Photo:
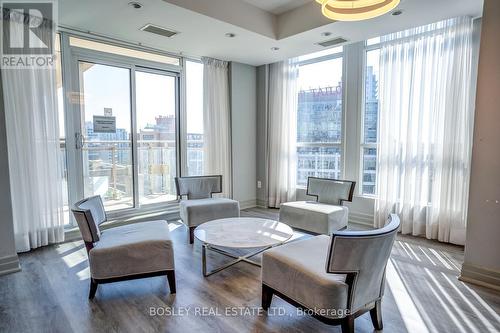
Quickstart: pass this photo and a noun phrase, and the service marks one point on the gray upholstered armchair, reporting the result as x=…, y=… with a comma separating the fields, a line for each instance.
x=127, y=252
x=326, y=214
x=336, y=278
x=200, y=207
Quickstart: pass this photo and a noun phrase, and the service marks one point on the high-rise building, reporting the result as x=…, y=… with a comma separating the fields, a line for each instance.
x=370, y=131
x=319, y=122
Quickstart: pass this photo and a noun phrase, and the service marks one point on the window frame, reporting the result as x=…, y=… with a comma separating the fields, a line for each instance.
x=342, y=144
x=70, y=55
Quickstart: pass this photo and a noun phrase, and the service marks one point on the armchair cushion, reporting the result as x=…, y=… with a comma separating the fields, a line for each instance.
x=314, y=216
x=137, y=248
x=196, y=212
x=297, y=270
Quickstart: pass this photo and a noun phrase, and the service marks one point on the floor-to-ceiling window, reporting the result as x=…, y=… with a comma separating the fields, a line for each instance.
x=370, y=120
x=320, y=116
x=106, y=129
x=123, y=106
x=194, y=118
x=156, y=96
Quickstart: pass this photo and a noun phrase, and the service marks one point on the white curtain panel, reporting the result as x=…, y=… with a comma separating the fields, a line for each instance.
x=282, y=132
x=34, y=153
x=426, y=128
x=217, y=122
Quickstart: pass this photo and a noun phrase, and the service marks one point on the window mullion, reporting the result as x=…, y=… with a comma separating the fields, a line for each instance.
x=135, y=151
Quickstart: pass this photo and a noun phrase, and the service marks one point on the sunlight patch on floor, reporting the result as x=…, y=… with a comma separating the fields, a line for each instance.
x=449, y=305
x=174, y=225
x=84, y=274
x=74, y=258
x=410, y=315
x=482, y=302
x=472, y=307
x=440, y=258
x=69, y=246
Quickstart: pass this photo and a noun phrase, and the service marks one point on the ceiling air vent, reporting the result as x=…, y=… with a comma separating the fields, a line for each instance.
x=332, y=42
x=154, y=29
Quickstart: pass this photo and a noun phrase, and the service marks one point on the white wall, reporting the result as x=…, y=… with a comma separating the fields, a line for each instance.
x=8, y=257
x=243, y=85
x=482, y=248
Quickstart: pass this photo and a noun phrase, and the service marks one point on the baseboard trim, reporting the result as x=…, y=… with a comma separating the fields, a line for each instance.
x=481, y=276
x=245, y=204
x=262, y=203
x=9, y=264
x=361, y=218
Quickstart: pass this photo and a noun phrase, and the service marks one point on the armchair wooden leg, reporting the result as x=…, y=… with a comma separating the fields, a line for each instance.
x=93, y=288
x=171, y=281
x=267, y=296
x=376, y=315
x=191, y=234
x=347, y=324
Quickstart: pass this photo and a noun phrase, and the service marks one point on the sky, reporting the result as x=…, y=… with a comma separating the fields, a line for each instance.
x=109, y=87
x=372, y=59
x=313, y=76
x=155, y=96
x=106, y=87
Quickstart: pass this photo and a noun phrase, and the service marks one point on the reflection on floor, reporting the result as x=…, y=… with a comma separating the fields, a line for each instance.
x=50, y=294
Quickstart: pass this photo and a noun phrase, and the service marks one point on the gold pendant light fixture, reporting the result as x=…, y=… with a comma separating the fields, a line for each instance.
x=356, y=10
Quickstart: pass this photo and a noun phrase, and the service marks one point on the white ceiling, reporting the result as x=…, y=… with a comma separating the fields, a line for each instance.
x=277, y=6
x=203, y=23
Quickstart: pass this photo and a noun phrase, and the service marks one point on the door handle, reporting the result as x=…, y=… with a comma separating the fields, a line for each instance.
x=79, y=140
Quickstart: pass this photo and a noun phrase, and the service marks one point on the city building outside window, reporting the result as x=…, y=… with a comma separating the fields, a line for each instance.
x=320, y=117
x=370, y=122
x=194, y=115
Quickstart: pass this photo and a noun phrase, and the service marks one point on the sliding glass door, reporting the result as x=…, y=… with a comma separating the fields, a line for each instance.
x=128, y=131
x=157, y=136
x=106, y=134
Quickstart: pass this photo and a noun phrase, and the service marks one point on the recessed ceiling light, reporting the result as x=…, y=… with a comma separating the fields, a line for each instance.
x=230, y=35
x=397, y=13
x=274, y=48
x=326, y=34
x=135, y=5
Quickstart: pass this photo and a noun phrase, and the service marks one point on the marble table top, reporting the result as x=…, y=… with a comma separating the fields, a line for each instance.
x=243, y=232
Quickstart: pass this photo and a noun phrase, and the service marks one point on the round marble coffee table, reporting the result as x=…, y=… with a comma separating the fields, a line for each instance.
x=240, y=233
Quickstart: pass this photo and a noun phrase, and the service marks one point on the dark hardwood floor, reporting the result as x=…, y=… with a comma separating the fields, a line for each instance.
x=50, y=294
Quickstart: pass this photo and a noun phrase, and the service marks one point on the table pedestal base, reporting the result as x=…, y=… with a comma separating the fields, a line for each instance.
x=238, y=259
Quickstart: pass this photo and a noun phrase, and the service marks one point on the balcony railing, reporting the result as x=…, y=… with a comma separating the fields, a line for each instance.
x=108, y=170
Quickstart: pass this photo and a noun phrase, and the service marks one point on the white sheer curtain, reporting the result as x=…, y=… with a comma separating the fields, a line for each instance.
x=282, y=132
x=426, y=125
x=34, y=153
x=216, y=122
